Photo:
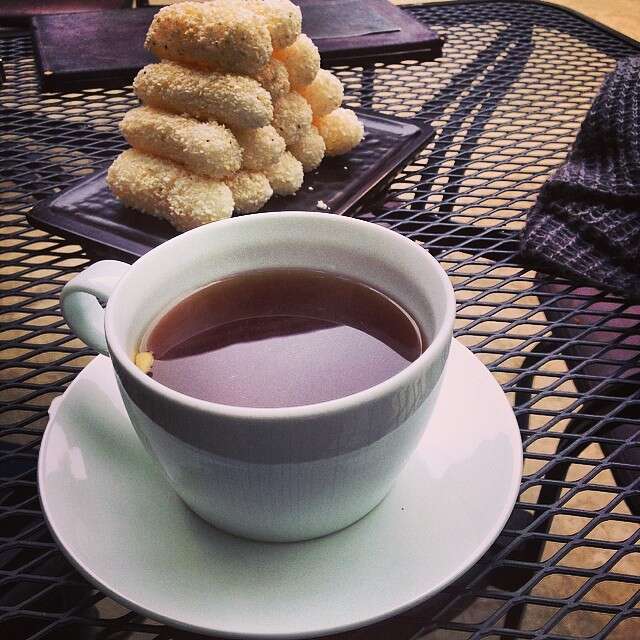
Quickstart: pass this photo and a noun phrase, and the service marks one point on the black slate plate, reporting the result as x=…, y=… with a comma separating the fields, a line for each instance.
x=90, y=215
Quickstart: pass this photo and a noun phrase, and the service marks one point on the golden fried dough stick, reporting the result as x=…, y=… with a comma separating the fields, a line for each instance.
x=302, y=60
x=324, y=94
x=195, y=201
x=309, y=149
x=286, y=175
x=142, y=182
x=250, y=189
x=229, y=99
x=260, y=147
x=166, y=190
x=206, y=148
x=291, y=116
x=274, y=78
x=341, y=131
x=283, y=19
x=221, y=34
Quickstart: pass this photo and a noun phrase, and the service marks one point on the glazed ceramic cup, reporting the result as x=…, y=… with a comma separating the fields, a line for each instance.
x=277, y=474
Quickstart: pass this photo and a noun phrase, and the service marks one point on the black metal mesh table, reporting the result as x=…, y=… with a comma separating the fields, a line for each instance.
x=506, y=99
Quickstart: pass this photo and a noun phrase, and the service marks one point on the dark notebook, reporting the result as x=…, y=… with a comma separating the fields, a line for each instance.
x=105, y=48
x=20, y=12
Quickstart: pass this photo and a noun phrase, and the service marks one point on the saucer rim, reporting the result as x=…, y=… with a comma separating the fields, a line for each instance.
x=457, y=350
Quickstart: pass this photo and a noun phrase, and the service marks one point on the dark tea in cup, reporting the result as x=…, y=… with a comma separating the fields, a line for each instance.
x=281, y=338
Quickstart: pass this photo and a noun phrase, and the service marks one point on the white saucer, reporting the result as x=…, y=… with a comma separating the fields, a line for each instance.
x=123, y=527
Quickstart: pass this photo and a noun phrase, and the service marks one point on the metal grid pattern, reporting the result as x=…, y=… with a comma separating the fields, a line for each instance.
x=507, y=98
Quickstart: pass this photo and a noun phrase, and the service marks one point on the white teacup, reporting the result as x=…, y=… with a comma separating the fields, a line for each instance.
x=278, y=474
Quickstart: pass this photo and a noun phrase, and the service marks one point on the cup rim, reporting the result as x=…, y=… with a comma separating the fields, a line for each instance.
x=435, y=347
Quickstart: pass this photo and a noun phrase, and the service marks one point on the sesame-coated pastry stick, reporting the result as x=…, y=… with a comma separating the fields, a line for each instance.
x=309, y=149
x=260, y=147
x=324, y=94
x=206, y=148
x=274, y=77
x=250, y=189
x=341, y=131
x=166, y=190
x=286, y=175
x=292, y=117
x=223, y=35
x=302, y=60
x=283, y=19
x=234, y=100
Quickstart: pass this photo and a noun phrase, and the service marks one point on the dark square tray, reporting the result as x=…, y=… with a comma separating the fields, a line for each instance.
x=90, y=215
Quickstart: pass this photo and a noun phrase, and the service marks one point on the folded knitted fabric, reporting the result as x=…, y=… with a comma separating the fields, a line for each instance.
x=585, y=224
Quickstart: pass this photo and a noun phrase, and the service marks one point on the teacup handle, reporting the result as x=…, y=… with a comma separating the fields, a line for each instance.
x=81, y=298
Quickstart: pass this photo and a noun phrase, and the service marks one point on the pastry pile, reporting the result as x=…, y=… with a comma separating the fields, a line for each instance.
x=236, y=110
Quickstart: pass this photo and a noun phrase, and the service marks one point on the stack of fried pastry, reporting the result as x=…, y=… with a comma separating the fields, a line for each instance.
x=236, y=110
